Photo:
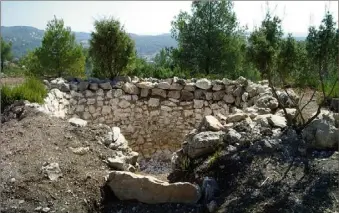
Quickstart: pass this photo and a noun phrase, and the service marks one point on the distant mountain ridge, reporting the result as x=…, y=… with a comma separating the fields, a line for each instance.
x=25, y=38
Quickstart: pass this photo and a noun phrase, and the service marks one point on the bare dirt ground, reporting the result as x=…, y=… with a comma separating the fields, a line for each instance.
x=36, y=139
x=27, y=144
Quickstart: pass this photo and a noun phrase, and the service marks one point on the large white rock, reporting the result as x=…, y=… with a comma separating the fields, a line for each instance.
x=289, y=99
x=229, y=99
x=77, y=122
x=267, y=101
x=52, y=171
x=203, y=84
x=321, y=134
x=130, y=88
x=164, y=85
x=145, y=85
x=236, y=117
x=211, y=123
x=147, y=189
x=204, y=143
x=277, y=121
x=262, y=120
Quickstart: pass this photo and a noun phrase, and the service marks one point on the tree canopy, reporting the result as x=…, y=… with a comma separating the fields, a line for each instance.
x=111, y=49
x=59, y=54
x=209, y=40
x=6, y=52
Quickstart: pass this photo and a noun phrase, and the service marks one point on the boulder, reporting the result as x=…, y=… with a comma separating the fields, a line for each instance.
x=277, y=121
x=144, y=93
x=252, y=89
x=262, y=120
x=186, y=95
x=190, y=87
x=80, y=150
x=121, y=143
x=105, y=86
x=176, y=86
x=77, y=122
x=321, y=134
x=236, y=117
x=83, y=85
x=289, y=99
x=218, y=95
x=267, y=101
x=130, y=88
x=203, y=84
x=147, y=189
x=204, y=143
x=93, y=86
x=145, y=85
x=232, y=137
x=174, y=94
x=159, y=92
x=116, y=163
x=164, y=85
x=210, y=123
x=52, y=171
x=229, y=99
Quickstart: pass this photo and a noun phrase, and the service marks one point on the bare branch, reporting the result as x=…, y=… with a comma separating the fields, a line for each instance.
x=320, y=105
x=308, y=102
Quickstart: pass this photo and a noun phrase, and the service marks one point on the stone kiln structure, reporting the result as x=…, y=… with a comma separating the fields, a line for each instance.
x=155, y=115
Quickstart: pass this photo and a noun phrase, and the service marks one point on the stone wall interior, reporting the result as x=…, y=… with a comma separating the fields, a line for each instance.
x=155, y=115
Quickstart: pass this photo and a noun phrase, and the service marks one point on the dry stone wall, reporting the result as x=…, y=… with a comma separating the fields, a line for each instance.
x=155, y=115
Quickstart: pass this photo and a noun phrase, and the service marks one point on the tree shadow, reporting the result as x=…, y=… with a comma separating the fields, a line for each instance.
x=246, y=185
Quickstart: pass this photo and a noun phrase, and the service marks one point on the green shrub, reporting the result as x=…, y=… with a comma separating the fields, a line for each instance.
x=32, y=90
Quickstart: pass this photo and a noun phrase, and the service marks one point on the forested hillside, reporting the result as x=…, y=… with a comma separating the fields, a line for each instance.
x=26, y=38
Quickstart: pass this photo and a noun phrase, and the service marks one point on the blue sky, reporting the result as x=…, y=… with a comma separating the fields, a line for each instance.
x=154, y=17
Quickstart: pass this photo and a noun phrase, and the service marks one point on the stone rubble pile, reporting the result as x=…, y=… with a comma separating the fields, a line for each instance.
x=243, y=129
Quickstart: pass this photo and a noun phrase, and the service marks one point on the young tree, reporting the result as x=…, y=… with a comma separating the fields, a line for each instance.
x=6, y=53
x=111, y=48
x=209, y=40
x=59, y=54
x=264, y=45
x=322, y=52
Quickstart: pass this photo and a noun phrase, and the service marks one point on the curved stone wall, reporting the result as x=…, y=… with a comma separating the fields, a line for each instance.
x=155, y=115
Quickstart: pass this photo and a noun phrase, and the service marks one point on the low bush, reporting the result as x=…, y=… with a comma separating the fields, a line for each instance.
x=32, y=90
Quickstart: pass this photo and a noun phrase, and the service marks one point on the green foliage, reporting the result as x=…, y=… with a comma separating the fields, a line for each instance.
x=264, y=45
x=59, y=55
x=185, y=163
x=322, y=49
x=31, y=64
x=146, y=45
x=32, y=90
x=110, y=48
x=142, y=68
x=210, y=40
x=6, y=53
x=212, y=159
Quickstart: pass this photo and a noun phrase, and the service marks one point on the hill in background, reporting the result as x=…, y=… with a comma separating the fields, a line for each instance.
x=26, y=38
